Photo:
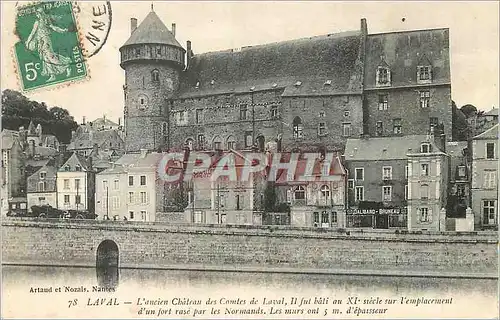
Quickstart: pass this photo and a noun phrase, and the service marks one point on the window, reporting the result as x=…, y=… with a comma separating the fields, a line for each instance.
x=130, y=197
x=322, y=129
x=490, y=179
x=189, y=143
x=201, y=141
x=66, y=184
x=199, y=116
x=155, y=75
x=406, y=192
x=334, y=217
x=243, y=112
x=407, y=172
x=115, y=202
x=78, y=168
x=386, y=173
x=346, y=129
x=77, y=184
x=321, y=114
x=143, y=197
x=424, y=169
x=143, y=215
x=433, y=122
x=274, y=111
x=424, y=215
x=231, y=144
x=379, y=130
x=131, y=214
x=490, y=150
x=325, y=191
x=238, y=204
x=424, y=192
x=43, y=175
x=182, y=117
x=67, y=168
x=248, y=139
x=164, y=128
x=387, y=193
x=217, y=143
x=130, y=180
x=461, y=171
x=116, y=185
x=316, y=219
x=297, y=128
x=383, y=76
x=78, y=199
x=424, y=74
x=300, y=193
x=325, y=218
x=396, y=125
x=347, y=113
x=66, y=199
x=104, y=184
x=359, y=173
x=137, y=52
x=350, y=184
x=425, y=148
x=425, y=98
x=360, y=193
x=143, y=180
x=158, y=50
x=489, y=211
x=383, y=101
x=42, y=186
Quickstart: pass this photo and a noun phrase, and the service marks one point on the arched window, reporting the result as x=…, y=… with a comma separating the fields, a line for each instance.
x=325, y=191
x=300, y=193
x=217, y=143
x=155, y=75
x=189, y=143
x=297, y=128
x=231, y=143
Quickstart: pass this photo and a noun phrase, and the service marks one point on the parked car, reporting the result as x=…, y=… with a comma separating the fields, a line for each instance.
x=46, y=211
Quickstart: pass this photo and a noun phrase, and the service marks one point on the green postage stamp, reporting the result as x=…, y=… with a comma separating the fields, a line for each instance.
x=49, y=51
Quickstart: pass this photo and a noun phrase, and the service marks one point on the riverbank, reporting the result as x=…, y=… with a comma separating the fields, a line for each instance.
x=262, y=249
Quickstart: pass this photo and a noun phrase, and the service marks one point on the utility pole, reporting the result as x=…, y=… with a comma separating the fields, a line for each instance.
x=107, y=203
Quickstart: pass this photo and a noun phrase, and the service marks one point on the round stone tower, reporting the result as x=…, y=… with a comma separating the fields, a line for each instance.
x=152, y=59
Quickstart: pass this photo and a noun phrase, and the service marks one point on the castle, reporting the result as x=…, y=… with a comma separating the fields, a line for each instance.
x=308, y=94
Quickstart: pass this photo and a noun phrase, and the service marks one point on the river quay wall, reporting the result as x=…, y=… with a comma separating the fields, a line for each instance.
x=252, y=248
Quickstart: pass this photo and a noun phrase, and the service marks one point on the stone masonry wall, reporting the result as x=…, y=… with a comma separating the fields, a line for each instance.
x=166, y=246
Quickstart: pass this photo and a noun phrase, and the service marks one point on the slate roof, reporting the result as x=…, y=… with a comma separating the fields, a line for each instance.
x=384, y=148
x=135, y=162
x=152, y=30
x=404, y=51
x=86, y=140
x=491, y=133
x=99, y=122
x=312, y=61
x=492, y=112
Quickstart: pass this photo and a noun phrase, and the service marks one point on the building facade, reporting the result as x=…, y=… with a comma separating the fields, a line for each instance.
x=42, y=186
x=308, y=93
x=76, y=184
x=485, y=179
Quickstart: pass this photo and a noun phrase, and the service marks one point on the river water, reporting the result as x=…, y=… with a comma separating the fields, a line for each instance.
x=326, y=296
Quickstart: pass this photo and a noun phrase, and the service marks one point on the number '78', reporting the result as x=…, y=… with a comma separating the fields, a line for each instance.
x=31, y=72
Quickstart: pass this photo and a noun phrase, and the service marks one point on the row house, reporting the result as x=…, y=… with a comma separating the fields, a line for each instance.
x=130, y=189
x=76, y=184
x=459, y=198
x=485, y=179
x=378, y=183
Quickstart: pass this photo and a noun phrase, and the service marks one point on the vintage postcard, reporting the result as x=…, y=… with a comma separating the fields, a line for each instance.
x=249, y=160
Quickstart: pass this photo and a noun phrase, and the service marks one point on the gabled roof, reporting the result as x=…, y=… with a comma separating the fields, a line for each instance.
x=75, y=159
x=492, y=112
x=312, y=61
x=384, y=148
x=490, y=134
x=152, y=30
x=86, y=140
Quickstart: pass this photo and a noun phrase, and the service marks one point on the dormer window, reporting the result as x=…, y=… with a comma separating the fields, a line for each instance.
x=424, y=74
x=383, y=76
x=274, y=85
x=197, y=85
x=212, y=82
x=425, y=148
x=328, y=82
x=298, y=83
x=137, y=52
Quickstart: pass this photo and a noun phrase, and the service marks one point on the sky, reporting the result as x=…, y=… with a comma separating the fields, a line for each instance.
x=212, y=26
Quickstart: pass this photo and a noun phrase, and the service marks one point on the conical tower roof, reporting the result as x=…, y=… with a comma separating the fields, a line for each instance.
x=152, y=30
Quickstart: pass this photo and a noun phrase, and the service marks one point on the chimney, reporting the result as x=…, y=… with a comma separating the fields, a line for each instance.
x=189, y=53
x=364, y=27
x=83, y=120
x=95, y=149
x=119, y=121
x=133, y=25
x=89, y=160
x=173, y=29
x=32, y=148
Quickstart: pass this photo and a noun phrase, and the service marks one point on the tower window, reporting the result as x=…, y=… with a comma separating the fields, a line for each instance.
x=425, y=97
x=297, y=128
x=383, y=102
x=424, y=74
x=346, y=129
x=383, y=76
x=322, y=129
x=397, y=127
x=274, y=111
x=155, y=75
x=243, y=112
x=379, y=128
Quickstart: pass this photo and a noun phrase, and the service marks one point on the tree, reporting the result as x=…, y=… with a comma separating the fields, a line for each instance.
x=60, y=114
x=459, y=124
x=469, y=110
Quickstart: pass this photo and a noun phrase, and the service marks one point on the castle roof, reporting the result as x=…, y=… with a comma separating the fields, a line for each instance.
x=152, y=31
x=321, y=65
